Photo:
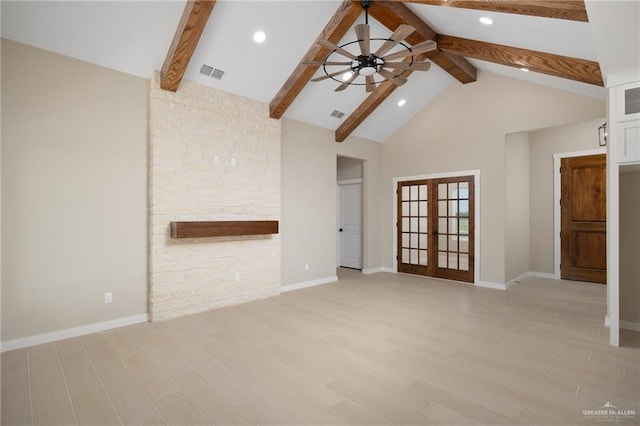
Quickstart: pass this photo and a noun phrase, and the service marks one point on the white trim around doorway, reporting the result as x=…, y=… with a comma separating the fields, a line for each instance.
x=557, y=160
x=476, y=248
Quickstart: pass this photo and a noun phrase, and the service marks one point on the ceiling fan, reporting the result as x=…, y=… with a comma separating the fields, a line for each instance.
x=369, y=64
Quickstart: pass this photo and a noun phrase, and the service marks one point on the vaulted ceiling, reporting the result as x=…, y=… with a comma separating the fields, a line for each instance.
x=552, y=39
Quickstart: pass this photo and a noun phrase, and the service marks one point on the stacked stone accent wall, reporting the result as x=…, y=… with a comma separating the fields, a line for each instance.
x=188, y=130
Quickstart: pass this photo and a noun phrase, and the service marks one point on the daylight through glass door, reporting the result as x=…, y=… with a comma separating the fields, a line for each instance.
x=436, y=227
x=413, y=244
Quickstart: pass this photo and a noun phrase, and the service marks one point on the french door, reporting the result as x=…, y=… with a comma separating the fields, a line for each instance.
x=436, y=227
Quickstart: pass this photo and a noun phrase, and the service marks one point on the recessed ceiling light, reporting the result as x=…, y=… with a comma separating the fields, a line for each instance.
x=401, y=102
x=524, y=69
x=347, y=75
x=259, y=36
x=485, y=20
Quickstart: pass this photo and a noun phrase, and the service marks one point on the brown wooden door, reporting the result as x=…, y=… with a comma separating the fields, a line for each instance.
x=584, y=219
x=453, y=248
x=436, y=228
x=414, y=218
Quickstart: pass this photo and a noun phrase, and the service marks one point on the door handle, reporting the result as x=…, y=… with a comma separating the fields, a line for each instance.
x=340, y=230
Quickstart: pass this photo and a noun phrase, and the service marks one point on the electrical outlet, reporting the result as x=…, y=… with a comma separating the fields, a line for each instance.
x=236, y=276
x=108, y=297
x=234, y=162
x=306, y=266
x=216, y=160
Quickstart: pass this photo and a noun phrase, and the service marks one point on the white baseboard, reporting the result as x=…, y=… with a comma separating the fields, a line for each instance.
x=298, y=286
x=518, y=279
x=379, y=269
x=68, y=333
x=544, y=275
x=626, y=325
x=494, y=286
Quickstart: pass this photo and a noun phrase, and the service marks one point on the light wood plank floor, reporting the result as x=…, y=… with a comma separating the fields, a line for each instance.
x=377, y=349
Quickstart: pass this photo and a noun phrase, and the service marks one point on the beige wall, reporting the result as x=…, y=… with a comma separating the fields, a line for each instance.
x=188, y=130
x=516, y=231
x=463, y=129
x=74, y=197
x=543, y=144
x=630, y=247
x=309, y=185
x=349, y=168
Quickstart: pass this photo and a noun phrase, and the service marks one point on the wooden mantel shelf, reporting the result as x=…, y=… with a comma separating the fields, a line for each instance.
x=223, y=228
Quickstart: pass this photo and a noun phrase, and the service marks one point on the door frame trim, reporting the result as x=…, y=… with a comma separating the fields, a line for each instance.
x=350, y=181
x=476, y=246
x=557, y=158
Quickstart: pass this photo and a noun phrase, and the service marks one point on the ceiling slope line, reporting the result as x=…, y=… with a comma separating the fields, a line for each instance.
x=191, y=26
x=573, y=10
x=581, y=70
x=342, y=20
x=392, y=14
x=371, y=102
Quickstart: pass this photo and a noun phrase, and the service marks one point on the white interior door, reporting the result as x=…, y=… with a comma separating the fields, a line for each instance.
x=350, y=225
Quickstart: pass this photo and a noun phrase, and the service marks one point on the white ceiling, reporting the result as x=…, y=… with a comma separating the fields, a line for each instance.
x=133, y=37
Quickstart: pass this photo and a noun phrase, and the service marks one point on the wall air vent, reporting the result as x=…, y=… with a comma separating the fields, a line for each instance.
x=337, y=114
x=212, y=72
x=206, y=70
x=217, y=74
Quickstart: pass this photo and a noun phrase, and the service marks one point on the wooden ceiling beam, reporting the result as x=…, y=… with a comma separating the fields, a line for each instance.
x=191, y=26
x=364, y=110
x=335, y=29
x=392, y=14
x=373, y=101
x=547, y=63
x=573, y=10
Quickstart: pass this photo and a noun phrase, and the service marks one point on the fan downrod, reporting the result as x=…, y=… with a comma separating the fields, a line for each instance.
x=365, y=5
x=367, y=64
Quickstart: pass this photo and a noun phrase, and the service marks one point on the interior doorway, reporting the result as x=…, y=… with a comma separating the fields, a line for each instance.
x=436, y=227
x=349, y=216
x=583, y=211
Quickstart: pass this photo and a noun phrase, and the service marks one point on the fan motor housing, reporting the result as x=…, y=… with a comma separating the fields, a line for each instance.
x=368, y=65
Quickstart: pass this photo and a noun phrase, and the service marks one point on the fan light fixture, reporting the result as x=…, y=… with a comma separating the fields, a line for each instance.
x=370, y=64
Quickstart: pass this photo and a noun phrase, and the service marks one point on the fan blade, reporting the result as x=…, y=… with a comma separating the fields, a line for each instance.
x=362, y=32
x=333, y=74
x=326, y=63
x=425, y=46
x=398, y=35
x=416, y=66
x=332, y=46
x=394, y=78
x=371, y=84
x=347, y=83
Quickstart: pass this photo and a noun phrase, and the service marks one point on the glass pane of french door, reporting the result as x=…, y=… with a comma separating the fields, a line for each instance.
x=413, y=227
x=455, y=228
